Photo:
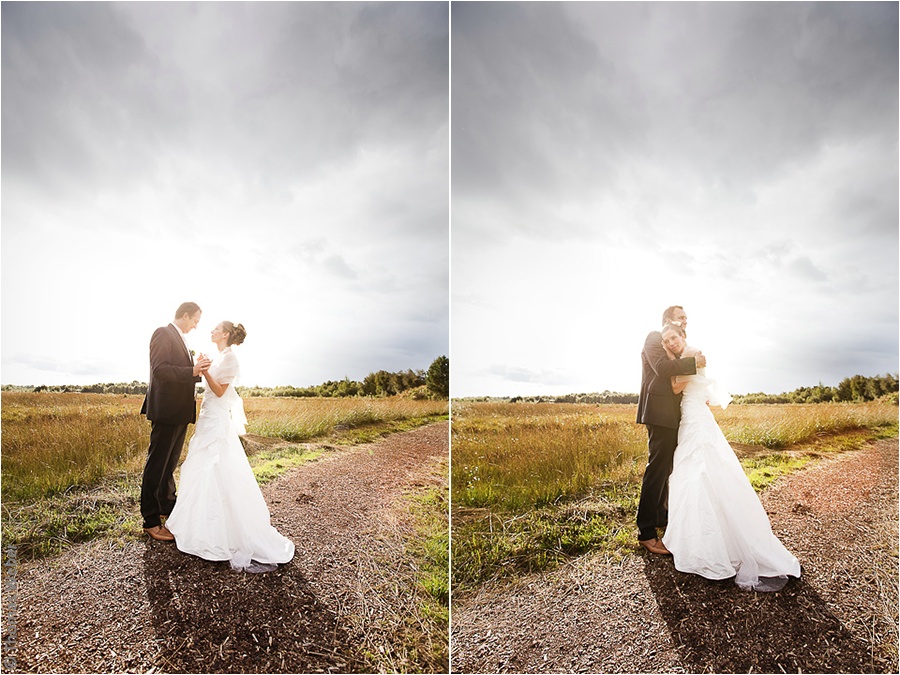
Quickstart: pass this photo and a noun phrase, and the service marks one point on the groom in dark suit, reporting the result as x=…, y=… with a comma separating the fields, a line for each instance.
x=659, y=408
x=169, y=406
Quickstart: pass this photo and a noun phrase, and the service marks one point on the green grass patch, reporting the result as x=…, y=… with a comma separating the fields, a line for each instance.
x=765, y=470
x=765, y=467
x=490, y=544
x=270, y=464
x=888, y=430
x=430, y=546
x=49, y=526
x=427, y=635
x=419, y=629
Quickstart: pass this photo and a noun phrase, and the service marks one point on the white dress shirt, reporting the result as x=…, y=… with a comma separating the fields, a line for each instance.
x=184, y=339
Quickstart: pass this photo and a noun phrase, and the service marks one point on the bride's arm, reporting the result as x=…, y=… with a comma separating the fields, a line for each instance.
x=217, y=388
x=679, y=382
x=677, y=387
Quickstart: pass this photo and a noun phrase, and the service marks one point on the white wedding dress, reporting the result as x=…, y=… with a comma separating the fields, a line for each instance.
x=220, y=513
x=717, y=525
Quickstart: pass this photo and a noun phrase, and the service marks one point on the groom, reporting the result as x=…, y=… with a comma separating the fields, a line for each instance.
x=659, y=408
x=169, y=406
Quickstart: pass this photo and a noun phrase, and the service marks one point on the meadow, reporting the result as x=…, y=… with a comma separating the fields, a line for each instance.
x=533, y=484
x=71, y=463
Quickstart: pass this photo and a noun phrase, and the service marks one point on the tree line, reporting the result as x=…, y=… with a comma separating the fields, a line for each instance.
x=431, y=383
x=857, y=388
x=435, y=383
x=605, y=397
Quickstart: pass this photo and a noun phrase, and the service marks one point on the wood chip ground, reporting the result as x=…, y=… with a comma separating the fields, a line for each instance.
x=148, y=607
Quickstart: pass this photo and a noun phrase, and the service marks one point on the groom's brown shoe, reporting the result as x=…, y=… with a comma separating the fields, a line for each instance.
x=160, y=533
x=655, y=546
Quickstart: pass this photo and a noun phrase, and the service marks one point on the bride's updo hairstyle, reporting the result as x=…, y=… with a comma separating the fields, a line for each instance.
x=236, y=333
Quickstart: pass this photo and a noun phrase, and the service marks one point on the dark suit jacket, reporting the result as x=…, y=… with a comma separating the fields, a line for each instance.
x=657, y=404
x=170, y=393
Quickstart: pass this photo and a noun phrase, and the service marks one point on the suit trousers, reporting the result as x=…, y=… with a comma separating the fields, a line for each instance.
x=158, y=484
x=653, y=509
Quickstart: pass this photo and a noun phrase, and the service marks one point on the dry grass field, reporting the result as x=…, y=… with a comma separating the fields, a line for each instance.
x=536, y=483
x=72, y=462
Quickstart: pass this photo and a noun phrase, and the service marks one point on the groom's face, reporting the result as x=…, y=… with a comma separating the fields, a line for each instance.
x=680, y=317
x=193, y=321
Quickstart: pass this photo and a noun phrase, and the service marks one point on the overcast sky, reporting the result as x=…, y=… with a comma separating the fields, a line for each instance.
x=611, y=159
x=284, y=165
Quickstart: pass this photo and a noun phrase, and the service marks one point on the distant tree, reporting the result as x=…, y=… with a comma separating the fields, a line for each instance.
x=347, y=387
x=385, y=384
x=410, y=379
x=844, y=391
x=368, y=387
x=438, y=377
x=857, y=388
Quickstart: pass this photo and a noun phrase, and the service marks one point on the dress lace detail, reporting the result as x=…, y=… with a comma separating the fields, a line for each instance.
x=220, y=513
x=717, y=525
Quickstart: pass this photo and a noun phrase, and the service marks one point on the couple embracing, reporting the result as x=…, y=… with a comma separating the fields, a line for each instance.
x=694, y=486
x=219, y=513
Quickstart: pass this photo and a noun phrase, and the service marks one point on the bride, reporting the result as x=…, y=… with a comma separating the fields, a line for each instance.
x=220, y=513
x=717, y=525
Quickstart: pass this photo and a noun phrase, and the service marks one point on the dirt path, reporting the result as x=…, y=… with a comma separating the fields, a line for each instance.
x=150, y=607
x=838, y=517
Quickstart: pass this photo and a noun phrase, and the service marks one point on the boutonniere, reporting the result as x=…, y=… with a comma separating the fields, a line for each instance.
x=193, y=353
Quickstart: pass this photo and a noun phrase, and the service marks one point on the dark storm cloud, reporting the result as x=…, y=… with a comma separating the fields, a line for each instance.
x=535, y=105
x=76, y=79
x=556, y=102
x=338, y=78
x=96, y=93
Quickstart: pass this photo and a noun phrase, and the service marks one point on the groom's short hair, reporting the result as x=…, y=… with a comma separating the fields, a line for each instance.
x=189, y=308
x=669, y=314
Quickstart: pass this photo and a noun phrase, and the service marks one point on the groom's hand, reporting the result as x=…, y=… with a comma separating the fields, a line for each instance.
x=201, y=366
x=700, y=360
